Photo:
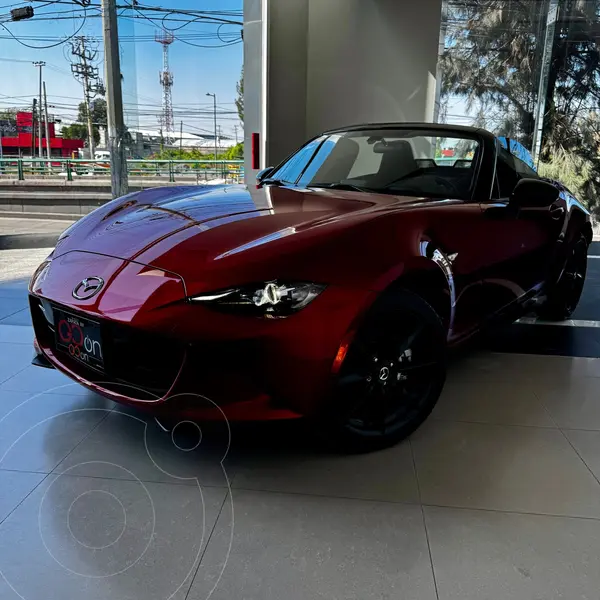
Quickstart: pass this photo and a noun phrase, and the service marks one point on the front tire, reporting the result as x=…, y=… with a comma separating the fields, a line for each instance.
x=564, y=297
x=391, y=377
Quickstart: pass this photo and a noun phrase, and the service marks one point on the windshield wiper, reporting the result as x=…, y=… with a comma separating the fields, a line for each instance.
x=273, y=182
x=341, y=186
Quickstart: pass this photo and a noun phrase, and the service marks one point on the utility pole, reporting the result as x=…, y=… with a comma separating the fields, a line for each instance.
x=181, y=137
x=48, y=148
x=87, y=74
x=40, y=64
x=235, y=128
x=540, y=112
x=114, y=100
x=33, y=128
x=214, y=97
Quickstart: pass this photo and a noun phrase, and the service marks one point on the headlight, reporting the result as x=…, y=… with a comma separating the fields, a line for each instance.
x=273, y=299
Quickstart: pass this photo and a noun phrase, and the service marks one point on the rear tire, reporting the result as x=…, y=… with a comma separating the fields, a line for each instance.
x=391, y=378
x=564, y=297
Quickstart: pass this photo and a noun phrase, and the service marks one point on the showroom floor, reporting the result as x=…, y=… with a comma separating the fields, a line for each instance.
x=496, y=496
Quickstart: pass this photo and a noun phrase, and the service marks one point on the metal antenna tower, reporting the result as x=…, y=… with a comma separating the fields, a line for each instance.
x=166, y=38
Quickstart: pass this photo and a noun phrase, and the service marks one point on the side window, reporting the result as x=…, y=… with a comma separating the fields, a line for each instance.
x=506, y=174
x=523, y=169
x=291, y=170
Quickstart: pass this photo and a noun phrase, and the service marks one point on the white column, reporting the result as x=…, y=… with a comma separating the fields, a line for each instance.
x=312, y=65
x=255, y=79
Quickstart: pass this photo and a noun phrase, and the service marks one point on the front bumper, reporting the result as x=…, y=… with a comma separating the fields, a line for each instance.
x=179, y=359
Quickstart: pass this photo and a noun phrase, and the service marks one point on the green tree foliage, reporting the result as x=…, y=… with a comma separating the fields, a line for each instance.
x=76, y=131
x=234, y=153
x=194, y=154
x=8, y=114
x=98, y=110
x=99, y=119
x=493, y=58
x=239, y=101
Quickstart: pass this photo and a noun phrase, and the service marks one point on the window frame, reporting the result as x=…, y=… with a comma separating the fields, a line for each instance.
x=525, y=172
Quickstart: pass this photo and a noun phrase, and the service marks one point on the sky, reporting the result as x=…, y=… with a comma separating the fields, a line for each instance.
x=196, y=70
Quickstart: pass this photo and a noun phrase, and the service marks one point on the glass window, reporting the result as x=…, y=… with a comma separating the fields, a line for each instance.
x=395, y=161
x=291, y=170
x=524, y=169
x=509, y=170
x=506, y=174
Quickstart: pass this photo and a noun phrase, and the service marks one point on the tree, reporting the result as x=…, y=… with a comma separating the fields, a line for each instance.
x=8, y=114
x=239, y=101
x=99, y=118
x=98, y=111
x=234, y=153
x=76, y=131
x=493, y=57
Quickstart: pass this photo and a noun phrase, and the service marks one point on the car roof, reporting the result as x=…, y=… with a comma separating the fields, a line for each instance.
x=442, y=127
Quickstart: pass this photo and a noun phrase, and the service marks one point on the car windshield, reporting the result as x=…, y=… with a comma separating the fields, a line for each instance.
x=395, y=161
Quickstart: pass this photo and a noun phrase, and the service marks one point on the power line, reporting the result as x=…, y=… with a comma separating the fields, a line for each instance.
x=172, y=11
x=51, y=45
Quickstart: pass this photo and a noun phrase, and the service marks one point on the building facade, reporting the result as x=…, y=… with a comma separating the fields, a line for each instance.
x=18, y=139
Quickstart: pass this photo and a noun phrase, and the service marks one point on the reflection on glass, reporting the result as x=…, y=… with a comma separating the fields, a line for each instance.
x=393, y=161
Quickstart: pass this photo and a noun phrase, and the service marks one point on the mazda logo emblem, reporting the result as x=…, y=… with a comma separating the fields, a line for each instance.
x=88, y=288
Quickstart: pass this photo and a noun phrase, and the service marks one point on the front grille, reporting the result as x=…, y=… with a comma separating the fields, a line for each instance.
x=137, y=364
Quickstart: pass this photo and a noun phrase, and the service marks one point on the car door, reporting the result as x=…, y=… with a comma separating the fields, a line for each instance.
x=456, y=237
x=516, y=245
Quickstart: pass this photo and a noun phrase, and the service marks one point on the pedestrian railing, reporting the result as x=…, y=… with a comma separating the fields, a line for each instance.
x=73, y=169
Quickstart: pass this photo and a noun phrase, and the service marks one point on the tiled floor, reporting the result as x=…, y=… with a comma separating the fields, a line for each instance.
x=496, y=496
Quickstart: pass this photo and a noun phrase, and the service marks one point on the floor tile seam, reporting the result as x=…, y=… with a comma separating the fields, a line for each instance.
x=83, y=439
x=580, y=457
x=468, y=422
x=12, y=314
x=521, y=513
x=186, y=483
x=25, y=498
x=26, y=471
x=416, y=475
x=408, y=503
x=210, y=536
x=3, y=381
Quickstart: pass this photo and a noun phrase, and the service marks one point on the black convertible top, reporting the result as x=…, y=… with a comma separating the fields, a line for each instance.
x=441, y=127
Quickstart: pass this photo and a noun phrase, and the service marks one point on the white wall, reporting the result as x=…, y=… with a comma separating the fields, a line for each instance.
x=332, y=63
x=371, y=61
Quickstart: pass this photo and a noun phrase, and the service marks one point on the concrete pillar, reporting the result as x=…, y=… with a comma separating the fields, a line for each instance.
x=312, y=65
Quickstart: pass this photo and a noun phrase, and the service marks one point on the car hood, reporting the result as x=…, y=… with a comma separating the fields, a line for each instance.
x=214, y=237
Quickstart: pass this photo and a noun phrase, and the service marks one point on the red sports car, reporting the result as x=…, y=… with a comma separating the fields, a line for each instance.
x=329, y=290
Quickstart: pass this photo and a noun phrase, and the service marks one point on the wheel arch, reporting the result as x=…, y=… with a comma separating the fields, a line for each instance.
x=578, y=224
x=426, y=279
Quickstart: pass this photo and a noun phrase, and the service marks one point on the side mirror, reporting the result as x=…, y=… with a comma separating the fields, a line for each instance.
x=263, y=174
x=534, y=193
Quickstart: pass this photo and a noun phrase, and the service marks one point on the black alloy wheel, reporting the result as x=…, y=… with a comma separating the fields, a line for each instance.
x=392, y=375
x=564, y=297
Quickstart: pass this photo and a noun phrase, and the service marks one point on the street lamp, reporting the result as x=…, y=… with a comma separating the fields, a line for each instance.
x=214, y=97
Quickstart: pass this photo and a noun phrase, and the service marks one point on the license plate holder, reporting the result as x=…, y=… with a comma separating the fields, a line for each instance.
x=80, y=338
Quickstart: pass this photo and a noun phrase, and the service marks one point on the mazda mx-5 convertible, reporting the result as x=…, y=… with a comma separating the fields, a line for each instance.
x=330, y=290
